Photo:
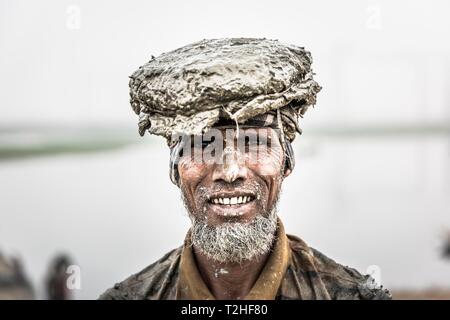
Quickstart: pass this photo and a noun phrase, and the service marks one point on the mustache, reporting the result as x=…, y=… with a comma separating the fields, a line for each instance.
x=221, y=188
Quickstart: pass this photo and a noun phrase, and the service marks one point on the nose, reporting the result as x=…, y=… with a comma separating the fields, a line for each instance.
x=231, y=168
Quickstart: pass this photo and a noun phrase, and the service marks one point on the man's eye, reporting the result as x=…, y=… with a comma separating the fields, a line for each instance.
x=250, y=141
x=255, y=141
x=205, y=144
x=201, y=144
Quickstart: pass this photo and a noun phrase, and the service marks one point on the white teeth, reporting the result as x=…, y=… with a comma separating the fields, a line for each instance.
x=232, y=201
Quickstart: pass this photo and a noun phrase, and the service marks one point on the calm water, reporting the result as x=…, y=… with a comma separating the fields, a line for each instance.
x=368, y=201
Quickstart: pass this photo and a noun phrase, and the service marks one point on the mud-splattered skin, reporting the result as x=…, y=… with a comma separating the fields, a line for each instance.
x=255, y=170
x=241, y=173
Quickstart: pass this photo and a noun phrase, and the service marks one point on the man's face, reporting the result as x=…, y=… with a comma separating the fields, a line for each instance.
x=239, y=180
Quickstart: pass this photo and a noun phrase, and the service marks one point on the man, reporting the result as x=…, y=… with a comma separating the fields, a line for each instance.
x=229, y=110
x=57, y=278
x=14, y=284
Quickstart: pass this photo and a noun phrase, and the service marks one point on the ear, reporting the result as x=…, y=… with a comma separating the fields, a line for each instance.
x=289, y=160
x=287, y=172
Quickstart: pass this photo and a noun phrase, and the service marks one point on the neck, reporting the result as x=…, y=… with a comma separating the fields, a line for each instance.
x=229, y=281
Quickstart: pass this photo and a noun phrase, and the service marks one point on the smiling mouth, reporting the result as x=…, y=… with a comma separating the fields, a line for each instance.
x=231, y=201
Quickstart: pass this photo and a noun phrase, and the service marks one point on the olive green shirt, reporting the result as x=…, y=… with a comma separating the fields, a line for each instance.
x=292, y=271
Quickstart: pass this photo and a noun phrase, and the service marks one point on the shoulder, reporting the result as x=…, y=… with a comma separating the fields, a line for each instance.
x=153, y=282
x=341, y=282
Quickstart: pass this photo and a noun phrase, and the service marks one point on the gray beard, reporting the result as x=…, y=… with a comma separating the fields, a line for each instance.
x=234, y=242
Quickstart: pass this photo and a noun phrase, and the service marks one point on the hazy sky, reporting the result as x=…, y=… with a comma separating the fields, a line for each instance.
x=70, y=60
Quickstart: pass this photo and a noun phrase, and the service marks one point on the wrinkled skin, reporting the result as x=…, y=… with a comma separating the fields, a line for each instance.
x=245, y=170
x=238, y=175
